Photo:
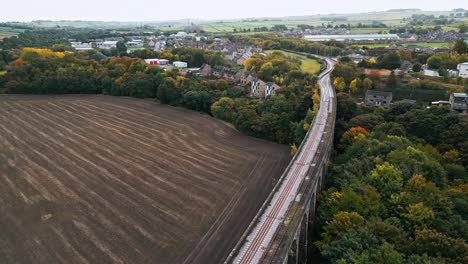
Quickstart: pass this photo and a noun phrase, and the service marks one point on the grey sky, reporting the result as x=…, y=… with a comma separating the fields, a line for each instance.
x=156, y=10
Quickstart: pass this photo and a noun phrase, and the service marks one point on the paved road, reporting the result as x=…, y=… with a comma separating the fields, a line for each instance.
x=261, y=235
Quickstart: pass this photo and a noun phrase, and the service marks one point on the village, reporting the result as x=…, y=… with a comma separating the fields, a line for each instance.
x=236, y=54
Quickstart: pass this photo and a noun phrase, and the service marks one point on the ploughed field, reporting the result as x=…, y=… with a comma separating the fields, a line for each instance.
x=98, y=179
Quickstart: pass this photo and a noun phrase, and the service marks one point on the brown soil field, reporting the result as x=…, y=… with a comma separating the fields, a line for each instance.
x=100, y=179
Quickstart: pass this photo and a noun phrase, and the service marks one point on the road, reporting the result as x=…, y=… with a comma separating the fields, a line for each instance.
x=258, y=238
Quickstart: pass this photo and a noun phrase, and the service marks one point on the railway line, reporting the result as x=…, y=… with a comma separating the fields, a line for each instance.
x=258, y=239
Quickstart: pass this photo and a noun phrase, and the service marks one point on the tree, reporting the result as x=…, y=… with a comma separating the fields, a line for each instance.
x=434, y=62
x=339, y=84
x=121, y=48
x=390, y=61
x=463, y=28
x=341, y=223
x=266, y=71
x=354, y=86
x=366, y=84
x=354, y=134
x=437, y=244
x=387, y=179
x=417, y=67
x=460, y=46
x=197, y=100
x=412, y=161
x=293, y=149
x=223, y=109
x=346, y=70
x=168, y=93
x=367, y=121
x=418, y=216
x=392, y=81
x=316, y=101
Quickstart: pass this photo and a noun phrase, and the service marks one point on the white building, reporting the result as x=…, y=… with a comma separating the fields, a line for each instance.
x=180, y=64
x=82, y=46
x=463, y=70
x=108, y=44
x=355, y=37
x=160, y=62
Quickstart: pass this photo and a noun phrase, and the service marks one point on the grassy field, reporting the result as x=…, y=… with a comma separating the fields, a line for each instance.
x=6, y=32
x=2, y=73
x=98, y=179
x=308, y=65
x=368, y=30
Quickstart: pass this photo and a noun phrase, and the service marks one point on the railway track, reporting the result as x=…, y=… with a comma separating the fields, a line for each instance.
x=258, y=238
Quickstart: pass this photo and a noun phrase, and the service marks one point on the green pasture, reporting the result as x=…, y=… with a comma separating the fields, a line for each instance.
x=308, y=65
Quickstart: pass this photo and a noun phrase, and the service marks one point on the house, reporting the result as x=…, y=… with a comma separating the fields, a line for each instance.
x=357, y=58
x=459, y=102
x=244, y=57
x=159, y=62
x=190, y=71
x=463, y=70
x=416, y=48
x=247, y=78
x=228, y=74
x=257, y=88
x=406, y=67
x=271, y=88
x=206, y=71
x=261, y=89
x=378, y=98
x=108, y=44
x=180, y=64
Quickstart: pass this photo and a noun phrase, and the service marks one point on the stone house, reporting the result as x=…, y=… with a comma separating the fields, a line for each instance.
x=378, y=98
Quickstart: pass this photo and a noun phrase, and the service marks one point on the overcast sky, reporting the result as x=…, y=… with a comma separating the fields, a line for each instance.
x=157, y=10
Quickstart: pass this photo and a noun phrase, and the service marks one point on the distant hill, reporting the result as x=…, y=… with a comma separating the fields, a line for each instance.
x=405, y=10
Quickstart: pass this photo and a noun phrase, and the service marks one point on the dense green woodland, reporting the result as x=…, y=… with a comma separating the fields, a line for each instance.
x=397, y=187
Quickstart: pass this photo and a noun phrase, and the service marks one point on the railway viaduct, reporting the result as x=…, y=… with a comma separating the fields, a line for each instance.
x=280, y=231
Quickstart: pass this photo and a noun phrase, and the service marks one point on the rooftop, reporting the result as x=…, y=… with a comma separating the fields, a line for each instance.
x=462, y=95
x=351, y=37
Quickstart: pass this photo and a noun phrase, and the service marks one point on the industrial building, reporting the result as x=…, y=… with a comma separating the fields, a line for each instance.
x=359, y=37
